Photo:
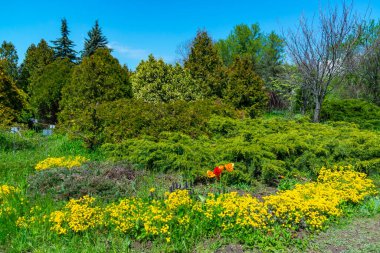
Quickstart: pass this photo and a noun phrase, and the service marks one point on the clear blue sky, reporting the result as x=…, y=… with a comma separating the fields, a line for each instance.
x=137, y=28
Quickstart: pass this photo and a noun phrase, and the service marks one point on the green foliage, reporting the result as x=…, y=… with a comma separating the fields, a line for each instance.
x=363, y=81
x=12, y=142
x=261, y=148
x=12, y=99
x=63, y=47
x=99, y=78
x=205, y=65
x=123, y=119
x=363, y=113
x=265, y=51
x=283, y=88
x=46, y=93
x=95, y=40
x=9, y=59
x=245, y=89
x=156, y=81
x=36, y=59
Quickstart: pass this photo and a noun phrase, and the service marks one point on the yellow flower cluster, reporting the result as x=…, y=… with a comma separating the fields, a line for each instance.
x=309, y=206
x=235, y=211
x=78, y=215
x=56, y=162
x=6, y=193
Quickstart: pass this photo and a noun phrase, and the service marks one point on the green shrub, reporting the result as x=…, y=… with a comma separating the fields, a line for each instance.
x=129, y=118
x=261, y=149
x=361, y=112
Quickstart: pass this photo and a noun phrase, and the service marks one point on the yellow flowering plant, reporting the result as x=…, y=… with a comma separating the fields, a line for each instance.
x=65, y=162
x=308, y=206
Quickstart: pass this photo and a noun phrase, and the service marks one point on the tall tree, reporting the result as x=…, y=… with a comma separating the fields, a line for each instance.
x=63, y=47
x=265, y=51
x=47, y=87
x=36, y=59
x=95, y=40
x=205, y=65
x=245, y=89
x=97, y=79
x=321, y=52
x=9, y=57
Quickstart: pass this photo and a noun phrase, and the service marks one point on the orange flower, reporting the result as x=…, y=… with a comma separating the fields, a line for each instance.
x=210, y=174
x=221, y=167
x=229, y=167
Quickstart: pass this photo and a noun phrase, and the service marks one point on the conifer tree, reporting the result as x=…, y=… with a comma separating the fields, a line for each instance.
x=63, y=47
x=205, y=65
x=95, y=40
x=245, y=89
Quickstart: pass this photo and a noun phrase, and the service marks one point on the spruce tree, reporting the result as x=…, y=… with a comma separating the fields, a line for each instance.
x=63, y=47
x=95, y=40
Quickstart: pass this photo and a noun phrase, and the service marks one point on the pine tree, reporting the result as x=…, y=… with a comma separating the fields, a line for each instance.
x=63, y=47
x=95, y=40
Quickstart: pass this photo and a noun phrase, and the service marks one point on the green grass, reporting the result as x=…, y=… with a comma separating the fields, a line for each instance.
x=17, y=165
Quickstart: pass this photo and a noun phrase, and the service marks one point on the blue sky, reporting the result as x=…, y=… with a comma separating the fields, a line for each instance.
x=137, y=28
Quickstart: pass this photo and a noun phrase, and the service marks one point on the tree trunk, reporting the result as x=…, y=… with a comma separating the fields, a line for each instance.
x=317, y=111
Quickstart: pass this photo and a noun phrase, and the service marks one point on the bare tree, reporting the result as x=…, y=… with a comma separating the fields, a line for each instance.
x=183, y=51
x=321, y=50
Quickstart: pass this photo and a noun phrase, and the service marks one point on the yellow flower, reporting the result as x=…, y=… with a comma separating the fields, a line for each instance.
x=151, y=190
x=210, y=174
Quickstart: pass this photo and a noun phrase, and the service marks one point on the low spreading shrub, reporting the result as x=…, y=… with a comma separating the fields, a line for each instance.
x=112, y=122
x=261, y=149
x=363, y=113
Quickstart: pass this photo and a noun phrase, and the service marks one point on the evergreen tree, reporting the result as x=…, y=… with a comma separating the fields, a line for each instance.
x=46, y=92
x=36, y=59
x=245, y=89
x=63, y=47
x=205, y=66
x=95, y=40
x=156, y=81
x=9, y=57
x=97, y=79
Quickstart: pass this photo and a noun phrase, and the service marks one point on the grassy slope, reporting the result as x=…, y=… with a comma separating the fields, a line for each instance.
x=15, y=167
